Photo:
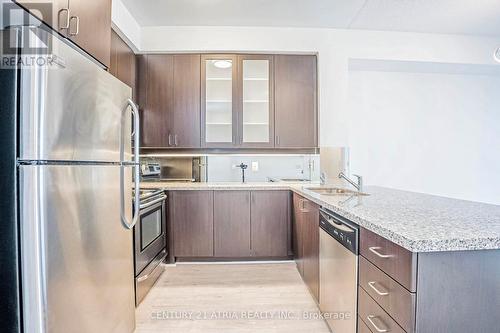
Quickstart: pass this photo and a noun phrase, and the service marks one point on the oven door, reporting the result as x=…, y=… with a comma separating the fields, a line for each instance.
x=150, y=234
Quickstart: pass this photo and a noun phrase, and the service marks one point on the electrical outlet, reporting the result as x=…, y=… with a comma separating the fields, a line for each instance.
x=255, y=166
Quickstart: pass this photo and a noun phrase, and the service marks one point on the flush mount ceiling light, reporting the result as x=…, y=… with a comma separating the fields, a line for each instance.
x=496, y=55
x=222, y=64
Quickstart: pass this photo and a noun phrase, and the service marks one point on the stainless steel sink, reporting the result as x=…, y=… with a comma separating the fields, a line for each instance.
x=331, y=191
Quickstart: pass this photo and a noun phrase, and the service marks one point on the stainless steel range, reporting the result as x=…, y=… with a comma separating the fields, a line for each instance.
x=150, y=241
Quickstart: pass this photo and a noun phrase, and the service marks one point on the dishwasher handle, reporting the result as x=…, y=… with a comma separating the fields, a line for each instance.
x=338, y=224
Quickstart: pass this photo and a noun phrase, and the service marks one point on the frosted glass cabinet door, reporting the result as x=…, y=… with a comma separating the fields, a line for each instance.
x=256, y=126
x=219, y=90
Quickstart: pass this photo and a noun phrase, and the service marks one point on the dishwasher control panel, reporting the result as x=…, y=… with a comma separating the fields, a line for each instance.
x=343, y=230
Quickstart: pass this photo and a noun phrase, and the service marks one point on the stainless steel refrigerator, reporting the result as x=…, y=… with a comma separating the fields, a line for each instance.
x=67, y=146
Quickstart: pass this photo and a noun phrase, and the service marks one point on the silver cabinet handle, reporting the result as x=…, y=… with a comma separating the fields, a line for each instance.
x=169, y=139
x=66, y=23
x=136, y=164
x=381, y=293
x=152, y=203
x=378, y=329
x=175, y=140
x=374, y=249
x=77, y=30
x=278, y=140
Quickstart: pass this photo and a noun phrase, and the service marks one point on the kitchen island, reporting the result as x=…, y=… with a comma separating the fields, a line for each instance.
x=427, y=264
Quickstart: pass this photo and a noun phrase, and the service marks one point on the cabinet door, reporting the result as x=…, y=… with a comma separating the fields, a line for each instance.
x=311, y=247
x=186, y=113
x=232, y=223
x=192, y=220
x=90, y=27
x=52, y=12
x=122, y=63
x=269, y=220
x=256, y=105
x=295, y=101
x=297, y=233
x=155, y=99
x=219, y=93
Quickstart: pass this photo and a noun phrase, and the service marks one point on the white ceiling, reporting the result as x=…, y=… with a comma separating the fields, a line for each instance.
x=473, y=17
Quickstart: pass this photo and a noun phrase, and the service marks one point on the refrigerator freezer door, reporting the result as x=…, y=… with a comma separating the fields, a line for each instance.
x=72, y=110
x=77, y=257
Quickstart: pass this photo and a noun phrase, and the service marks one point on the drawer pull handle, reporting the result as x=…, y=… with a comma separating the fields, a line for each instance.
x=378, y=329
x=381, y=293
x=374, y=249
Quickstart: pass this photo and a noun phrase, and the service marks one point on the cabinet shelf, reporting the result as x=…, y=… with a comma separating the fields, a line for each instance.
x=257, y=124
x=256, y=101
x=255, y=79
x=219, y=124
x=219, y=79
x=219, y=101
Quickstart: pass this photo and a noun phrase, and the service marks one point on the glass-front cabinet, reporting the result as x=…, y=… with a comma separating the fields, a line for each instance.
x=237, y=100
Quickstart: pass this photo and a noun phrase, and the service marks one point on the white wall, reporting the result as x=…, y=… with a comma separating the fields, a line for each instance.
x=335, y=49
x=427, y=132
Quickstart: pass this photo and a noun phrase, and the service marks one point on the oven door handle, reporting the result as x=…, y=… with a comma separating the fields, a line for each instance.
x=152, y=203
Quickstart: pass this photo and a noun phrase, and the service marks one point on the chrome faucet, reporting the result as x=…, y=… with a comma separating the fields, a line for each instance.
x=358, y=185
x=322, y=178
x=242, y=166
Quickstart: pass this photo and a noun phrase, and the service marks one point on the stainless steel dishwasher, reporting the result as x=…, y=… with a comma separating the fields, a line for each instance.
x=338, y=266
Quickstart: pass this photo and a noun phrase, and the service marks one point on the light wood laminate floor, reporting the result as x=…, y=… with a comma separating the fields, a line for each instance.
x=222, y=298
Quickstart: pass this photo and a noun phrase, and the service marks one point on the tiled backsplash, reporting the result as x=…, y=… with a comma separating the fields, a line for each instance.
x=221, y=168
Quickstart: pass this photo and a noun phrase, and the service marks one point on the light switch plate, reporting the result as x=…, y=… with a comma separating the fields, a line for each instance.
x=255, y=166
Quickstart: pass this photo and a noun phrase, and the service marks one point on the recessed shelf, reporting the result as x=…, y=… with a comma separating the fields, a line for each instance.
x=255, y=79
x=258, y=124
x=256, y=101
x=219, y=79
x=219, y=101
x=219, y=124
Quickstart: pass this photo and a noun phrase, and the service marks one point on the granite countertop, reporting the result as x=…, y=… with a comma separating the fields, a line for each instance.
x=417, y=222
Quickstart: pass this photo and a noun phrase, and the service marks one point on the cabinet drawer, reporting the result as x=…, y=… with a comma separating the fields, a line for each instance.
x=394, y=260
x=390, y=295
x=362, y=328
x=374, y=316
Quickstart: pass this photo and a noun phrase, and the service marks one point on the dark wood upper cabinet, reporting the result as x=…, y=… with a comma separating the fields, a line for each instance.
x=90, y=27
x=155, y=98
x=185, y=128
x=232, y=224
x=123, y=61
x=192, y=220
x=55, y=15
x=86, y=22
x=169, y=98
x=270, y=219
x=295, y=101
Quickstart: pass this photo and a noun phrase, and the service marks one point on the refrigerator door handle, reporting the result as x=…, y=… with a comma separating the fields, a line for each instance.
x=137, y=175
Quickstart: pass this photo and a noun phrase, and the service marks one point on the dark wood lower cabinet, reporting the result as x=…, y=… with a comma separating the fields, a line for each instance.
x=192, y=220
x=270, y=219
x=297, y=234
x=455, y=291
x=306, y=241
x=232, y=224
x=311, y=247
